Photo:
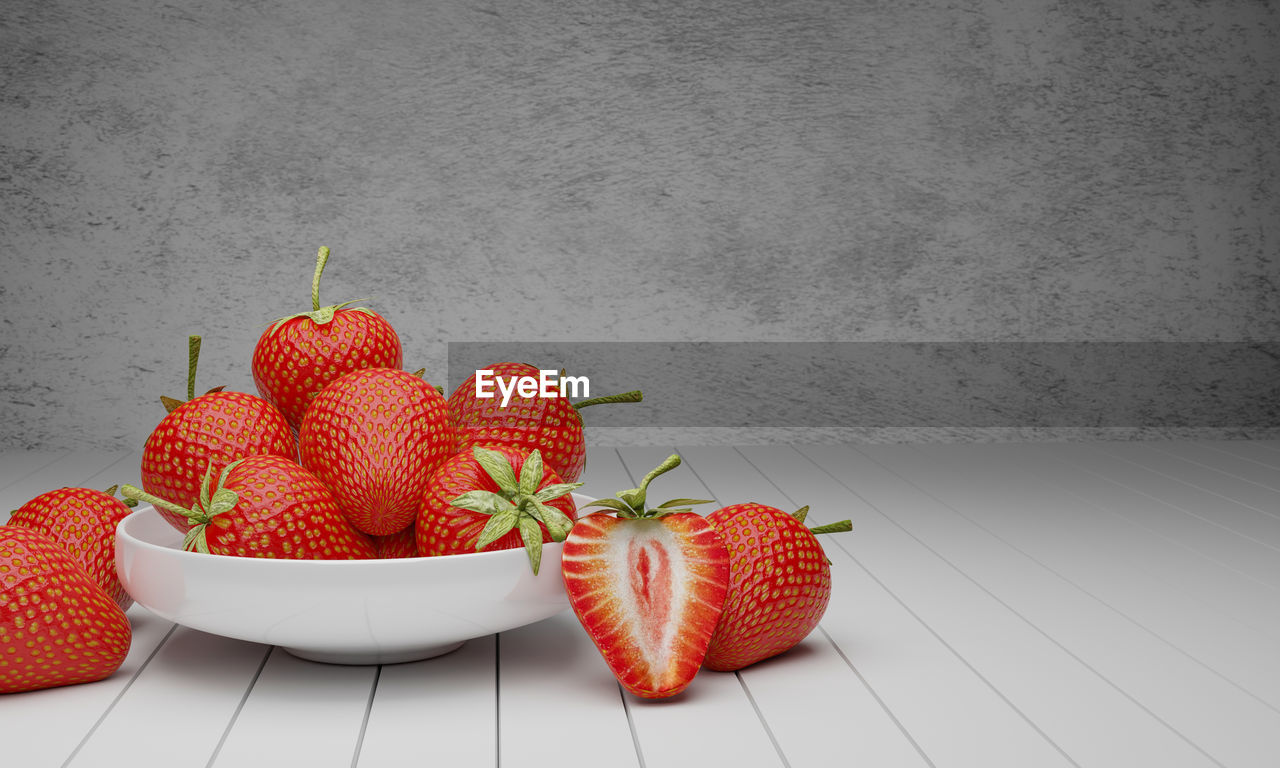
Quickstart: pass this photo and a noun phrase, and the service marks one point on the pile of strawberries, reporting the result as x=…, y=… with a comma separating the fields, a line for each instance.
x=344, y=455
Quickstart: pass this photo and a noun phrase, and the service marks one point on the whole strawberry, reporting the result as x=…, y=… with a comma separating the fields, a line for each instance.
x=83, y=521
x=265, y=506
x=499, y=497
x=298, y=355
x=553, y=425
x=779, y=583
x=57, y=627
x=648, y=586
x=217, y=427
x=374, y=436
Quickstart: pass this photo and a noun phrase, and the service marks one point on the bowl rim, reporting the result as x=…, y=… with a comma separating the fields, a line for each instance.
x=123, y=535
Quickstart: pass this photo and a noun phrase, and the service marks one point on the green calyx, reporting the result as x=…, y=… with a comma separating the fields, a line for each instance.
x=193, y=360
x=318, y=314
x=518, y=503
x=631, y=503
x=210, y=505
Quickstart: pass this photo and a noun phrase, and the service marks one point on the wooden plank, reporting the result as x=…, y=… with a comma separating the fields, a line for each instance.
x=1209, y=539
x=1237, y=475
x=713, y=721
x=68, y=469
x=1200, y=568
x=1173, y=483
x=816, y=704
x=300, y=712
x=559, y=704
x=441, y=708
x=45, y=728
x=1084, y=579
x=178, y=707
x=943, y=569
x=16, y=464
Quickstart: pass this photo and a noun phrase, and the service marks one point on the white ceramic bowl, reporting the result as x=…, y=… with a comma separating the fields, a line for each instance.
x=338, y=611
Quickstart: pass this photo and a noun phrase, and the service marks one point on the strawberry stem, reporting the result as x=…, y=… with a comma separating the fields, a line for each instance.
x=633, y=396
x=137, y=494
x=840, y=527
x=322, y=258
x=193, y=359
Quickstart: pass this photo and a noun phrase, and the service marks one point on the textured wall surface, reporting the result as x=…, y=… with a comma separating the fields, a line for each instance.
x=607, y=170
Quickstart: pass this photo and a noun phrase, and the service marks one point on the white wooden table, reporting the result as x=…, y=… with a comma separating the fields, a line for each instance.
x=1054, y=604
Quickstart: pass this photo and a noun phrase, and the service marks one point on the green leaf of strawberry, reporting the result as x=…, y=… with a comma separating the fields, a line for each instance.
x=517, y=503
x=495, y=497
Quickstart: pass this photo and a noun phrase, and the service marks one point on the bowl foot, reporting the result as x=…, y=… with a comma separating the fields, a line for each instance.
x=374, y=657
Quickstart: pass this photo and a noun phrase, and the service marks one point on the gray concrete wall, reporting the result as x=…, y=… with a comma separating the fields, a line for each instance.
x=609, y=171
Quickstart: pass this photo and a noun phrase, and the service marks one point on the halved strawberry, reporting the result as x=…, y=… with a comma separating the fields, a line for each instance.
x=553, y=425
x=374, y=436
x=474, y=502
x=82, y=520
x=298, y=355
x=218, y=427
x=57, y=627
x=779, y=583
x=265, y=506
x=648, y=586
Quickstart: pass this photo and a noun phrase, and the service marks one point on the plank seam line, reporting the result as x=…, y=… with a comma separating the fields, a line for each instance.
x=497, y=700
x=52, y=460
x=1183, y=737
x=631, y=725
x=1196, y=486
x=1218, y=470
x=919, y=619
x=364, y=724
x=120, y=695
x=760, y=715
x=213, y=757
x=1171, y=505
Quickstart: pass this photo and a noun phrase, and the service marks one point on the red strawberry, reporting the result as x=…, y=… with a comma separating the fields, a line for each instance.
x=217, y=427
x=474, y=502
x=266, y=506
x=550, y=424
x=397, y=545
x=298, y=355
x=779, y=583
x=57, y=627
x=648, y=586
x=84, y=522
x=374, y=437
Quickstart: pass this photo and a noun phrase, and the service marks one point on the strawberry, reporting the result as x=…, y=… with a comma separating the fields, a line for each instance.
x=551, y=424
x=397, y=545
x=374, y=436
x=298, y=355
x=779, y=583
x=57, y=627
x=84, y=522
x=474, y=502
x=648, y=585
x=217, y=427
x=265, y=506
